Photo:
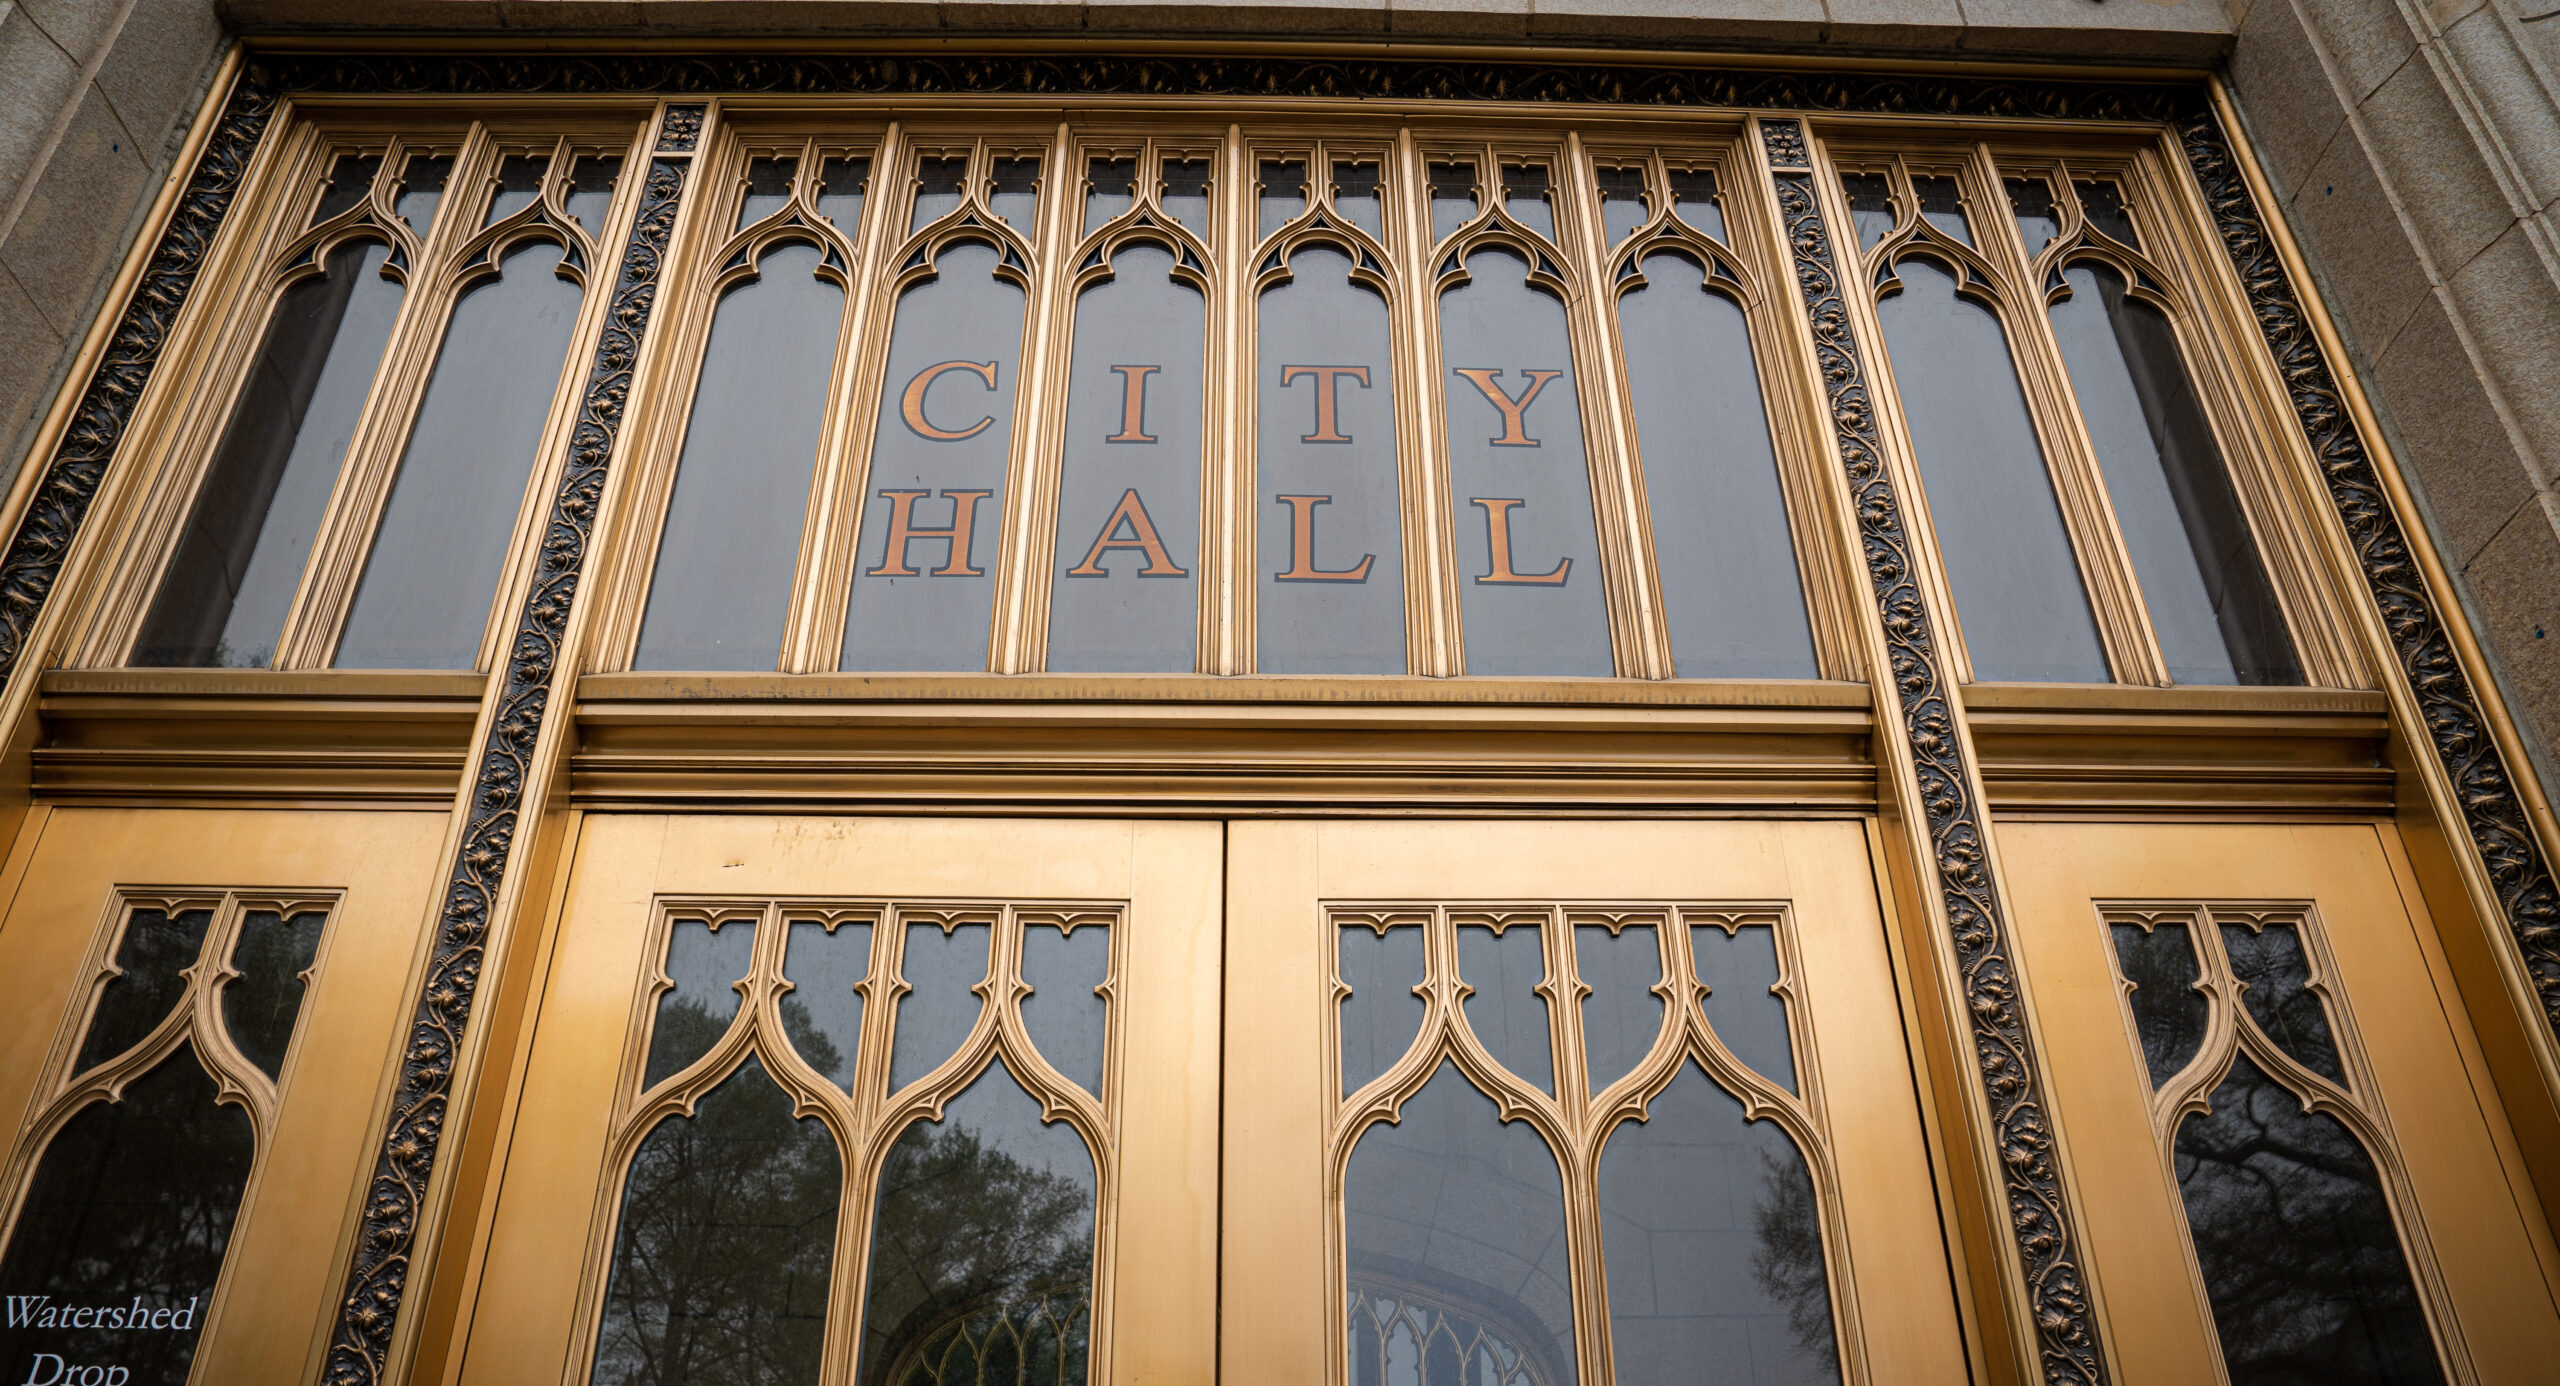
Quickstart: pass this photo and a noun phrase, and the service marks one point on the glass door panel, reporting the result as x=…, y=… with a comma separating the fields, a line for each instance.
x=1538, y=1104
x=2282, y=1173
x=895, y=1101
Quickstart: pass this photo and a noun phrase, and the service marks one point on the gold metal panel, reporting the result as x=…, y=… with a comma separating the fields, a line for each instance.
x=2480, y=1244
x=1899, y=1320
x=523, y=1317
x=276, y=1295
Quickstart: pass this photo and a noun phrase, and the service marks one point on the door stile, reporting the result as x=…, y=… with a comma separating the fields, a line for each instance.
x=521, y=742
x=2015, y=1206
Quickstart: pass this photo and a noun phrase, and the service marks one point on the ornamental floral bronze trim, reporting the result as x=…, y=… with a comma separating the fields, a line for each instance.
x=359, y=1349
x=2030, y=1172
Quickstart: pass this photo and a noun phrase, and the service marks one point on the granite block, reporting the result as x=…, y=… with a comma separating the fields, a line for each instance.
x=2427, y=154
x=2284, y=95
x=2447, y=434
x=74, y=224
x=2359, y=250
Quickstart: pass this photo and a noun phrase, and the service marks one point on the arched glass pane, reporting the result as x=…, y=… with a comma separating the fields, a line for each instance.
x=940, y=967
x=260, y=1005
x=1505, y=1011
x=1731, y=595
x=2017, y=584
x=726, y=1245
x=2211, y=606
x=1739, y=968
x=1066, y=1015
x=1282, y=192
x=1713, y=1247
x=434, y=568
x=157, y=947
x=1528, y=552
x=1381, y=1015
x=2275, y=987
x=2169, y=1014
x=982, y=1248
x=1455, y=1228
x=924, y=584
x=224, y=598
x=2301, y=1259
x=695, y=1011
x=823, y=1012
x=1126, y=594
x=129, y=1212
x=1331, y=539
x=1622, y=1015
x=1625, y=201
x=722, y=586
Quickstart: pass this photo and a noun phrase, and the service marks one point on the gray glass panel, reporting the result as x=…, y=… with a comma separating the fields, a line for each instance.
x=940, y=1007
x=939, y=184
x=1126, y=595
x=982, y=1248
x=1453, y=197
x=1528, y=553
x=2301, y=1260
x=823, y=1012
x=239, y=560
x=2169, y=1014
x=726, y=1245
x=1731, y=594
x=1622, y=1015
x=591, y=182
x=1110, y=187
x=1283, y=185
x=1505, y=1011
x=1942, y=206
x=938, y=459
x=1623, y=202
x=1524, y=198
x=722, y=586
x=422, y=183
x=1694, y=200
x=519, y=183
x=350, y=179
x=768, y=189
x=1355, y=195
x=705, y=965
x=2210, y=602
x=1870, y=206
x=2103, y=205
x=259, y=1006
x=1455, y=1219
x=2275, y=982
x=1186, y=193
x=436, y=557
x=1013, y=193
x=126, y=1219
x=2031, y=199
x=157, y=947
x=1739, y=969
x=2017, y=584
x=1382, y=1014
x=1713, y=1247
x=1065, y=1012
x=1330, y=544
x=842, y=183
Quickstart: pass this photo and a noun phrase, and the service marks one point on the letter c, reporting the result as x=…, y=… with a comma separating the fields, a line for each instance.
x=911, y=405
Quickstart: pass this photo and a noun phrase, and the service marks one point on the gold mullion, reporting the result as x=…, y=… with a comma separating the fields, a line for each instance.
x=797, y=633
x=327, y=590
x=870, y=313
x=2115, y=592
x=1226, y=531
x=1017, y=636
x=1432, y=630
x=1629, y=580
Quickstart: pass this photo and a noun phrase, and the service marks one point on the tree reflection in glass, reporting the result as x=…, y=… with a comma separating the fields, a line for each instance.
x=2301, y=1259
x=150, y=965
x=1457, y=1258
x=259, y=1006
x=1713, y=1248
x=721, y=1266
x=2275, y=981
x=2169, y=1014
x=982, y=1248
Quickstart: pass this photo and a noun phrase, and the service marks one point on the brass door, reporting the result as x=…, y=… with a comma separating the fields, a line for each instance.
x=755, y=1033
x=2285, y=977
x=1395, y=983
x=197, y=1009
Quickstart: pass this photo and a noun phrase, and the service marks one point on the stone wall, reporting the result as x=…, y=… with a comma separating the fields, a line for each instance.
x=2415, y=144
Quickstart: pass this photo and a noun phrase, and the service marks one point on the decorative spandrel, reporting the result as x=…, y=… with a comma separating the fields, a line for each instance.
x=1474, y=1182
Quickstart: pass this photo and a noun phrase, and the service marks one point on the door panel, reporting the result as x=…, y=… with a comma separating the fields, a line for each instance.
x=1301, y=1195
x=663, y=1029
x=2357, y=1059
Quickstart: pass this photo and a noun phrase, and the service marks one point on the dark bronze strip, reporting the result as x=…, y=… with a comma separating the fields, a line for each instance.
x=378, y=1275
x=2067, y=1339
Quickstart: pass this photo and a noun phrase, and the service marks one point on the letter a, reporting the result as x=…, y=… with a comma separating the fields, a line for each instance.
x=1515, y=412
x=1132, y=513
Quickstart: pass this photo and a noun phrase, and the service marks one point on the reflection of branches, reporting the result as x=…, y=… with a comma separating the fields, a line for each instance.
x=1788, y=1262
x=981, y=1268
